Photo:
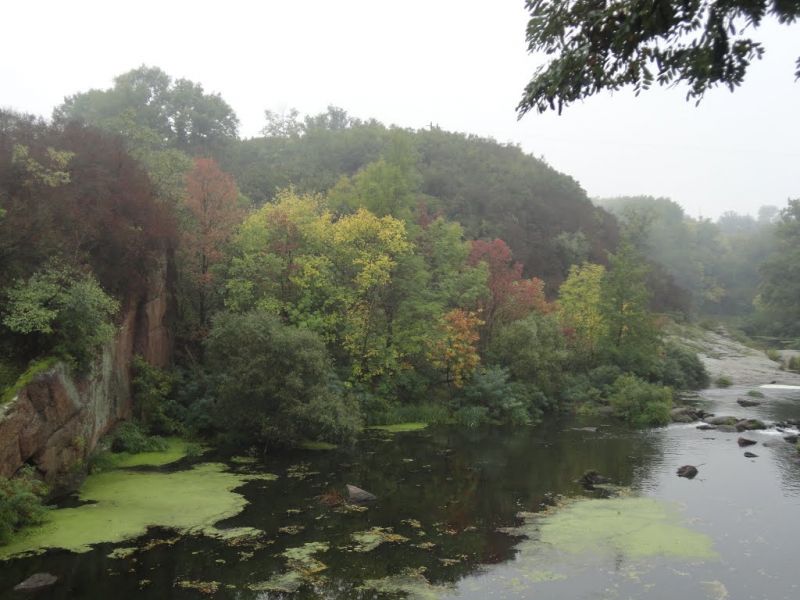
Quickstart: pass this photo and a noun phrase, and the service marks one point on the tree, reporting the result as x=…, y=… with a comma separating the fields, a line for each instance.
x=275, y=384
x=180, y=112
x=606, y=45
x=455, y=352
x=213, y=211
x=66, y=309
x=580, y=309
x=780, y=285
x=511, y=296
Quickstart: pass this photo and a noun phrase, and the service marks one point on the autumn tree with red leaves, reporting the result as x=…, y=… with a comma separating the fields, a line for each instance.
x=455, y=352
x=212, y=212
x=511, y=297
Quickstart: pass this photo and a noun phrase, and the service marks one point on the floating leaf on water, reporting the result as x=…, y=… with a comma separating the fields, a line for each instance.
x=412, y=523
x=123, y=552
x=204, y=587
x=368, y=540
x=291, y=529
x=425, y=545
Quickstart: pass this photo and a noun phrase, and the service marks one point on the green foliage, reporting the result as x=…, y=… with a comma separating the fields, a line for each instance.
x=773, y=355
x=534, y=352
x=780, y=285
x=723, y=381
x=67, y=310
x=502, y=400
x=681, y=368
x=20, y=502
x=612, y=45
x=130, y=437
x=640, y=403
x=34, y=369
x=793, y=364
x=152, y=389
x=274, y=382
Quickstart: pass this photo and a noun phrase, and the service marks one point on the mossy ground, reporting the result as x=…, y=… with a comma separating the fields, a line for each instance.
x=124, y=503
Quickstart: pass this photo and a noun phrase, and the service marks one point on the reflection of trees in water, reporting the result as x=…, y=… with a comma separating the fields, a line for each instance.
x=460, y=484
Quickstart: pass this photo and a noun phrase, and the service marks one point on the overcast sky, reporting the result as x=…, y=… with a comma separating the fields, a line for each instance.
x=459, y=64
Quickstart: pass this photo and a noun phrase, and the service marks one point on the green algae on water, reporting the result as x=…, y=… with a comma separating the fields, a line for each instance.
x=176, y=449
x=316, y=445
x=303, y=568
x=367, y=541
x=124, y=503
x=409, y=582
x=400, y=427
x=633, y=527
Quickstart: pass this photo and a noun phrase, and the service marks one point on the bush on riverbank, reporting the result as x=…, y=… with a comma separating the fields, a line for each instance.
x=640, y=403
x=20, y=502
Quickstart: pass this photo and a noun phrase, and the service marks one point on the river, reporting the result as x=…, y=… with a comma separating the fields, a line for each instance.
x=489, y=513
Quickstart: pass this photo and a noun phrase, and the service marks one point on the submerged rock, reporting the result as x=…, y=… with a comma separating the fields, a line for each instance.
x=791, y=439
x=688, y=471
x=36, y=582
x=356, y=494
x=747, y=403
x=592, y=478
x=745, y=442
x=750, y=455
x=706, y=427
x=723, y=420
x=684, y=414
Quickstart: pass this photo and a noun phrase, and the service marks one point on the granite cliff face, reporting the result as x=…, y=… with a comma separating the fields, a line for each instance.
x=55, y=422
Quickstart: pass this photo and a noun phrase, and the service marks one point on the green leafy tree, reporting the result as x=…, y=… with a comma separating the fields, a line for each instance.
x=580, y=310
x=779, y=292
x=609, y=45
x=275, y=384
x=66, y=310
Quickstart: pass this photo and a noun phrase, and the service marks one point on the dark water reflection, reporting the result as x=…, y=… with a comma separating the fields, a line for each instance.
x=462, y=486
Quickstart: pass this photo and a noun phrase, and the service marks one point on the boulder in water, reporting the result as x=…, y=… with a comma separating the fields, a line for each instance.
x=356, y=494
x=688, y=471
x=722, y=420
x=749, y=425
x=791, y=439
x=36, y=582
x=750, y=455
x=592, y=478
x=747, y=403
x=744, y=442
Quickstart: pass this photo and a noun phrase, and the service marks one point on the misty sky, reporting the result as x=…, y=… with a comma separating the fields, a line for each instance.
x=459, y=64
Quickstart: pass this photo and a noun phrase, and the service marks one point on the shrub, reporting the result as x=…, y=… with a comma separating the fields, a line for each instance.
x=640, y=403
x=129, y=437
x=773, y=355
x=152, y=387
x=682, y=369
x=20, y=502
x=723, y=381
x=504, y=401
x=471, y=416
x=793, y=363
x=274, y=383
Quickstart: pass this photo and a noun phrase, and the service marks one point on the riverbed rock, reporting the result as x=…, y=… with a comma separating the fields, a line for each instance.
x=684, y=414
x=749, y=425
x=706, y=427
x=747, y=403
x=745, y=442
x=592, y=478
x=687, y=471
x=359, y=496
x=36, y=582
x=727, y=429
x=750, y=455
x=723, y=420
x=791, y=439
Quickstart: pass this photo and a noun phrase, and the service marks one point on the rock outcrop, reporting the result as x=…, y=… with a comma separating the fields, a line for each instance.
x=55, y=422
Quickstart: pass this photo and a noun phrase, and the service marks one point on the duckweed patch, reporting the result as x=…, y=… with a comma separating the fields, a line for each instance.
x=176, y=449
x=302, y=566
x=410, y=582
x=367, y=541
x=316, y=445
x=125, y=503
x=633, y=527
x=400, y=427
